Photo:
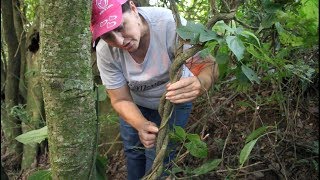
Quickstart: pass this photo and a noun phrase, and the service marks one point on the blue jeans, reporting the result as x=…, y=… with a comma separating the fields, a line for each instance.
x=139, y=159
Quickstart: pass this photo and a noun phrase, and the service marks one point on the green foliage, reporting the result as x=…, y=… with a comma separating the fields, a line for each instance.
x=196, y=33
x=245, y=152
x=101, y=164
x=196, y=147
x=41, y=175
x=30, y=8
x=34, y=136
x=191, y=142
x=256, y=133
x=20, y=112
x=251, y=140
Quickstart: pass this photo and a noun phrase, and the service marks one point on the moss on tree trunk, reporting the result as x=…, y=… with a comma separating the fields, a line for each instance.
x=68, y=87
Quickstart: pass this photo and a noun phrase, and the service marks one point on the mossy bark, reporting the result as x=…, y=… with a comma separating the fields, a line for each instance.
x=67, y=86
x=34, y=109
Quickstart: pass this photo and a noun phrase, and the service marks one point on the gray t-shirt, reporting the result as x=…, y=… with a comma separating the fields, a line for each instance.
x=146, y=80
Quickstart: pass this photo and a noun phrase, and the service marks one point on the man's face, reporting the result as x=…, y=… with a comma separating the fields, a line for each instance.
x=126, y=36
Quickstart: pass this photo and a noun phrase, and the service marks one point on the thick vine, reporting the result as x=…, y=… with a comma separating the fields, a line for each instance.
x=165, y=107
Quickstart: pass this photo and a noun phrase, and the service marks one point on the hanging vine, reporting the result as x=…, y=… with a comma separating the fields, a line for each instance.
x=166, y=107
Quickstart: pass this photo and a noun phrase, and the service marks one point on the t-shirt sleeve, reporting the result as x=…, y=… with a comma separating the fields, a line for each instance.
x=110, y=72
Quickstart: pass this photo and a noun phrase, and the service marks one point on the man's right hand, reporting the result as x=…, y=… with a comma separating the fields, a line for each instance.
x=148, y=134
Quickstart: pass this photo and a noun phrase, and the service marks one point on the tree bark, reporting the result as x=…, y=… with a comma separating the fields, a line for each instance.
x=11, y=125
x=34, y=108
x=67, y=86
x=21, y=35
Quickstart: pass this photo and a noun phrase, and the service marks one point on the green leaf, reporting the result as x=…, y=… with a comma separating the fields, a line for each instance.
x=221, y=27
x=245, y=33
x=196, y=147
x=256, y=133
x=179, y=131
x=101, y=164
x=34, y=136
x=207, y=167
x=41, y=175
x=101, y=95
x=245, y=152
x=207, y=35
x=250, y=74
x=191, y=31
x=311, y=9
x=193, y=137
x=236, y=46
x=269, y=20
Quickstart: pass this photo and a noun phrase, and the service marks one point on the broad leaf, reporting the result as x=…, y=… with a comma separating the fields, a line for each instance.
x=41, y=175
x=196, y=32
x=179, y=131
x=236, y=46
x=207, y=35
x=207, y=167
x=256, y=133
x=248, y=33
x=245, y=152
x=196, y=147
x=250, y=74
x=34, y=136
x=191, y=31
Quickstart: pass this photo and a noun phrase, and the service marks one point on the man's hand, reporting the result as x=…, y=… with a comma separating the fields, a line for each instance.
x=148, y=133
x=184, y=90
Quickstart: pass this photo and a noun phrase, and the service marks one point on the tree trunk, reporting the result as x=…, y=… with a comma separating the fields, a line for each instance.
x=11, y=125
x=21, y=35
x=34, y=108
x=3, y=68
x=67, y=86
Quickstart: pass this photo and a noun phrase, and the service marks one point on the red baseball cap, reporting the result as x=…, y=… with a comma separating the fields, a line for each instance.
x=106, y=16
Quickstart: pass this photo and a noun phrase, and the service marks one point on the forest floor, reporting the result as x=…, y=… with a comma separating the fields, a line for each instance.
x=287, y=151
x=291, y=151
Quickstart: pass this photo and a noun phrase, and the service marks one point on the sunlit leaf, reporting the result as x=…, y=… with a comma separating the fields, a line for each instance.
x=34, y=136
